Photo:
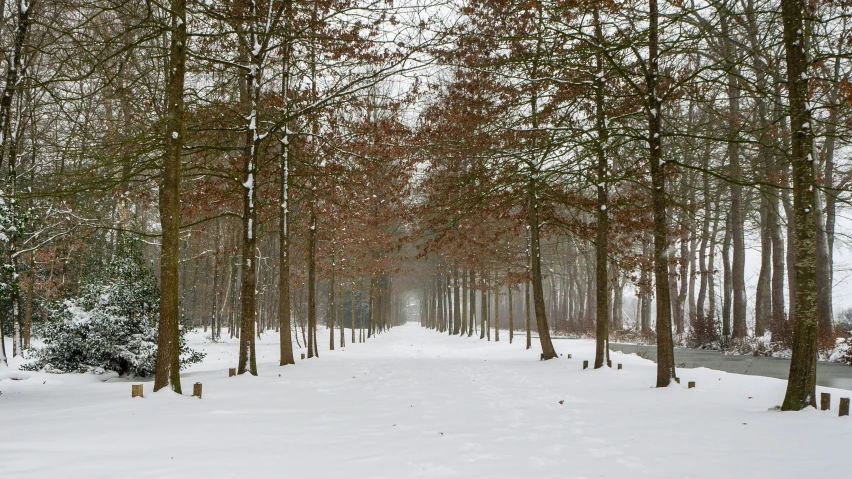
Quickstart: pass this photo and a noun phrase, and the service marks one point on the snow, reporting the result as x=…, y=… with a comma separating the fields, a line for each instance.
x=79, y=315
x=416, y=403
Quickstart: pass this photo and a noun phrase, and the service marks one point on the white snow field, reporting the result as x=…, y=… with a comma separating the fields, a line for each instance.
x=416, y=403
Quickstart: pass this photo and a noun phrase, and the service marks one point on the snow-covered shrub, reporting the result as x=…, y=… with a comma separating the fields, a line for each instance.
x=111, y=325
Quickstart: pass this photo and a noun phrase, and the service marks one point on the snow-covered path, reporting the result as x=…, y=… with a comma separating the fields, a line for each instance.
x=415, y=403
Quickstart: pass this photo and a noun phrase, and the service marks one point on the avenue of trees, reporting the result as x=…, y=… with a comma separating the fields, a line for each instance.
x=597, y=168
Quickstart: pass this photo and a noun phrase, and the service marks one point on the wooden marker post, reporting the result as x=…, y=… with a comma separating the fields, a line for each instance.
x=136, y=391
x=196, y=390
x=824, y=401
x=690, y=384
x=232, y=372
x=619, y=366
x=585, y=364
x=844, y=407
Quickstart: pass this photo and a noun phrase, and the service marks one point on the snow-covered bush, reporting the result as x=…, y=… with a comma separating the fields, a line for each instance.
x=111, y=325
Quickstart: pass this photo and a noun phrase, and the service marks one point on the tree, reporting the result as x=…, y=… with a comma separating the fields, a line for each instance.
x=801, y=384
x=168, y=354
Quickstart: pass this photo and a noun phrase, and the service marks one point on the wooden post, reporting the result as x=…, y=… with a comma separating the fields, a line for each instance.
x=136, y=391
x=690, y=384
x=196, y=390
x=585, y=364
x=677, y=380
x=232, y=372
x=568, y=356
x=303, y=355
x=844, y=407
x=609, y=363
x=619, y=366
x=824, y=401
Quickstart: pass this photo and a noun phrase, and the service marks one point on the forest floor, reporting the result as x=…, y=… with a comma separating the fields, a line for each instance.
x=416, y=403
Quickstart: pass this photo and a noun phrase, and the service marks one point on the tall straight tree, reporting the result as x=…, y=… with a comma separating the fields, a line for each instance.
x=733, y=151
x=801, y=385
x=286, y=347
x=665, y=345
x=168, y=350
x=9, y=148
x=601, y=247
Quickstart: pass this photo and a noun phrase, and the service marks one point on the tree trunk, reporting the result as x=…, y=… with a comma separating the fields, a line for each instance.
x=168, y=352
x=312, y=277
x=341, y=315
x=448, y=290
x=458, y=318
x=250, y=90
x=825, y=312
x=331, y=308
x=486, y=306
x=601, y=244
x=547, y=349
x=442, y=311
x=464, y=304
x=527, y=314
x=472, y=300
x=728, y=285
x=284, y=327
x=665, y=346
x=791, y=255
x=645, y=291
x=483, y=308
x=28, y=307
x=511, y=310
x=801, y=385
x=700, y=312
x=617, y=302
x=496, y=314
x=711, y=268
x=763, y=293
x=831, y=194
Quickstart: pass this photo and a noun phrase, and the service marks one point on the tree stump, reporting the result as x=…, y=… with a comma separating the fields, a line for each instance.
x=619, y=366
x=585, y=364
x=609, y=363
x=844, y=407
x=690, y=385
x=824, y=401
x=196, y=390
x=232, y=372
x=677, y=380
x=136, y=391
